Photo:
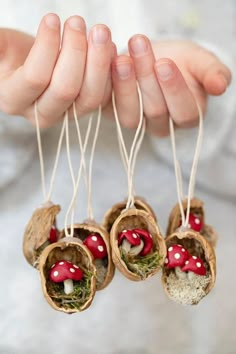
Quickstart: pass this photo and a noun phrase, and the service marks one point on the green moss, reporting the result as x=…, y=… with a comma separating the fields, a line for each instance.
x=75, y=300
x=139, y=265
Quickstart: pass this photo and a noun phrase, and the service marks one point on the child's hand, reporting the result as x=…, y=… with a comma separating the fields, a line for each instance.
x=55, y=72
x=167, y=85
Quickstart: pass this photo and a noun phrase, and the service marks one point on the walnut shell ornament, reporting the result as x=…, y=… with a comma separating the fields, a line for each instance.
x=96, y=239
x=115, y=211
x=196, y=220
x=70, y=251
x=189, y=271
x=37, y=232
x=137, y=225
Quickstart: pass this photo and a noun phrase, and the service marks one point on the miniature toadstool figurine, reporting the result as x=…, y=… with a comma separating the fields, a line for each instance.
x=194, y=265
x=195, y=222
x=96, y=245
x=53, y=234
x=147, y=239
x=176, y=258
x=130, y=242
x=66, y=272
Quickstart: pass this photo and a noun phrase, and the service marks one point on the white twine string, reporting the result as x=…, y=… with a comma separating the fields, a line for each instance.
x=47, y=196
x=130, y=161
x=88, y=178
x=178, y=174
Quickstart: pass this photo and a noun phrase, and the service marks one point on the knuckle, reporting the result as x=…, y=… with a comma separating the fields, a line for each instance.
x=35, y=82
x=130, y=123
x=89, y=104
x=65, y=94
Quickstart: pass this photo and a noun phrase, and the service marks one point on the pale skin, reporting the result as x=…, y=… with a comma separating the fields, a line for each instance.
x=85, y=67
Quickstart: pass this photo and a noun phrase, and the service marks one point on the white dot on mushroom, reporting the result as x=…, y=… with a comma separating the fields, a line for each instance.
x=187, y=262
x=177, y=256
x=166, y=260
x=94, y=238
x=170, y=249
x=194, y=257
x=134, y=235
x=183, y=250
x=75, y=266
x=61, y=263
x=101, y=248
x=55, y=273
x=197, y=221
x=198, y=264
x=72, y=270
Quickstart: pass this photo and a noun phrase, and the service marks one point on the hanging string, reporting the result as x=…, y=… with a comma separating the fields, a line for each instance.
x=76, y=182
x=47, y=196
x=178, y=174
x=130, y=161
x=88, y=179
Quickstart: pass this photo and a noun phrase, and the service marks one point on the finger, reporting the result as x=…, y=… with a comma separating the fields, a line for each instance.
x=210, y=71
x=108, y=88
x=125, y=89
x=23, y=86
x=180, y=101
x=96, y=71
x=155, y=108
x=68, y=74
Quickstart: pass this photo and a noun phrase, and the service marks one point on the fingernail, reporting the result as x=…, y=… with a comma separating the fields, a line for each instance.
x=100, y=35
x=124, y=70
x=164, y=71
x=77, y=23
x=138, y=45
x=52, y=21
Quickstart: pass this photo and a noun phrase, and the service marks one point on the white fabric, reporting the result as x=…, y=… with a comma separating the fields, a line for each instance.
x=127, y=317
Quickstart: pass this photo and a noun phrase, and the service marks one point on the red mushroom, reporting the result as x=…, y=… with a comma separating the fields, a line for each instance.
x=96, y=245
x=177, y=255
x=66, y=272
x=195, y=222
x=147, y=239
x=130, y=242
x=194, y=265
x=53, y=234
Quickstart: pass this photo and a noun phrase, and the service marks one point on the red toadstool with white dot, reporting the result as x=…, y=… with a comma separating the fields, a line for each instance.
x=53, y=234
x=194, y=265
x=66, y=272
x=136, y=242
x=96, y=245
x=177, y=255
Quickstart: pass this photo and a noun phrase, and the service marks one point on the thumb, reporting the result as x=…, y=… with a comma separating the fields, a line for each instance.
x=210, y=72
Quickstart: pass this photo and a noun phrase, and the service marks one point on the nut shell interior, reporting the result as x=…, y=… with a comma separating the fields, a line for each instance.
x=72, y=250
x=131, y=219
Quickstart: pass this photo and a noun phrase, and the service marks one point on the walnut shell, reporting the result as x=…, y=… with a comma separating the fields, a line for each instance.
x=81, y=231
x=130, y=219
x=115, y=211
x=72, y=250
x=196, y=207
x=185, y=291
x=37, y=232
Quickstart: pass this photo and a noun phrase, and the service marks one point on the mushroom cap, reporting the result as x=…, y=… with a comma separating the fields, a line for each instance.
x=147, y=239
x=177, y=255
x=131, y=236
x=194, y=264
x=195, y=222
x=63, y=270
x=96, y=245
x=53, y=234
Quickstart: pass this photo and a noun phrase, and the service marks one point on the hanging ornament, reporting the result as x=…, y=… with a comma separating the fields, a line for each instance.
x=68, y=275
x=196, y=220
x=189, y=270
x=138, y=249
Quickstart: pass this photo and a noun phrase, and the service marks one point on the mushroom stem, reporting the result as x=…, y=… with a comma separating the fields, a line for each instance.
x=132, y=250
x=68, y=286
x=191, y=275
x=179, y=273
